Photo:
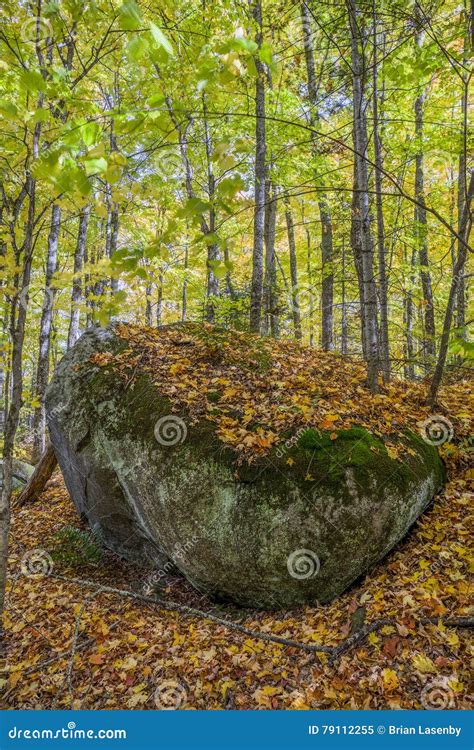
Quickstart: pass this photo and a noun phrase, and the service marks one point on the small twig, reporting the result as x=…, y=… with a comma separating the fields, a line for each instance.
x=134, y=372
x=62, y=654
x=73, y=650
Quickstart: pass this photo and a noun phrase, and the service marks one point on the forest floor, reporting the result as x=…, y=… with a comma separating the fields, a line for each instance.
x=74, y=646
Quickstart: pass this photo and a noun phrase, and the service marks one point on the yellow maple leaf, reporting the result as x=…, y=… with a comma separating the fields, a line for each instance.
x=390, y=679
x=423, y=664
x=269, y=690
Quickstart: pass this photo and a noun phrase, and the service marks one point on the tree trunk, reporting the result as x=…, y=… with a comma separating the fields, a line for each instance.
x=184, y=295
x=362, y=187
x=42, y=370
x=256, y=292
x=41, y=475
x=295, y=304
x=148, y=297
x=309, y=269
x=212, y=290
x=421, y=230
x=111, y=232
x=461, y=201
x=271, y=322
x=466, y=224
x=327, y=272
x=159, y=302
x=112, y=228
x=76, y=296
x=409, y=313
x=356, y=245
x=344, y=331
x=19, y=302
x=381, y=252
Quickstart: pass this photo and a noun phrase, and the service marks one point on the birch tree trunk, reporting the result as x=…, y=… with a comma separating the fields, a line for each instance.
x=42, y=369
x=295, y=304
x=184, y=294
x=408, y=316
x=148, y=297
x=381, y=252
x=111, y=231
x=271, y=322
x=362, y=188
x=207, y=227
x=309, y=270
x=212, y=290
x=466, y=225
x=344, y=330
x=327, y=273
x=356, y=245
x=18, y=323
x=159, y=302
x=461, y=200
x=76, y=295
x=256, y=291
x=421, y=229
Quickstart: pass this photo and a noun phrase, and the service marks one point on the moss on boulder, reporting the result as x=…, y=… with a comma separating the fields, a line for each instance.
x=297, y=525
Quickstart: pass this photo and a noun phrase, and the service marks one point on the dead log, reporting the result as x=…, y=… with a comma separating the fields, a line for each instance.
x=37, y=482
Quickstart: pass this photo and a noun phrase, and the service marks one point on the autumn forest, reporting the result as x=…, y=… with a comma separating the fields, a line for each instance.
x=261, y=212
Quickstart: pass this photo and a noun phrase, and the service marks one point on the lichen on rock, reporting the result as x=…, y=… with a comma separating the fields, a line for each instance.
x=226, y=455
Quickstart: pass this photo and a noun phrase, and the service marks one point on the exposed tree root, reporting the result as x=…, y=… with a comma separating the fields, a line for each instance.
x=334, y=651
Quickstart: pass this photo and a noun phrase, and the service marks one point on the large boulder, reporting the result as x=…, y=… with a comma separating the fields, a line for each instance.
x=21, y=473
x=141, y=441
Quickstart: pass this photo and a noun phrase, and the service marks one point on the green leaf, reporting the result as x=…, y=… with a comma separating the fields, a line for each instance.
x=156, y=100
x=218, y=268
x=32, y=80
x=137, y=48
x=160, y=39
x=265, y=54
x=194, y=207
x=89, y=133
x=7, y=108
x=243, y=44
x=95, y=166
x=41, y=115
x=130, y=17
x=211, y=239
